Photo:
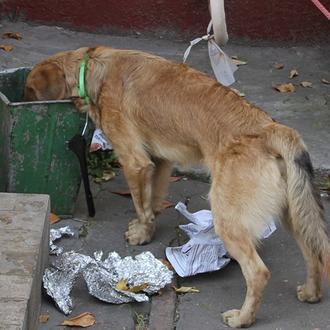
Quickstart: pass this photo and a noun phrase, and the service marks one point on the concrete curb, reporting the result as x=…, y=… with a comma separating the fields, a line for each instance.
x=24, y=246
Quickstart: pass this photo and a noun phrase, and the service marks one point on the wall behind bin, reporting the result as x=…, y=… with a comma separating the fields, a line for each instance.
x=254, y=19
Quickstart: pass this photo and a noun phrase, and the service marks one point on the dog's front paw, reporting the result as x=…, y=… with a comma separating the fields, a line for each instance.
x=234, y=320
x=305, y=294
x=139, y=233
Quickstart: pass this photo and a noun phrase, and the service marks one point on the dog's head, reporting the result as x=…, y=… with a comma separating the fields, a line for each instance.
x=46, y=81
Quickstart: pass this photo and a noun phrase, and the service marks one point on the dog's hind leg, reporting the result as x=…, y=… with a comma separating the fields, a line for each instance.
x=241, y=247
x=247, y=191
x=160, y=183
x=311, y=291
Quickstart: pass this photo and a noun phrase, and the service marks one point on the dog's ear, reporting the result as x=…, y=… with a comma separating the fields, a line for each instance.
x=45, y=82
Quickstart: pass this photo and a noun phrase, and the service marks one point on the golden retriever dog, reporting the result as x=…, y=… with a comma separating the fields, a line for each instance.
x=156, y=113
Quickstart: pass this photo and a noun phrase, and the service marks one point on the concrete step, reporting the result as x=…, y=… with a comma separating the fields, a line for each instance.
x=24, y=245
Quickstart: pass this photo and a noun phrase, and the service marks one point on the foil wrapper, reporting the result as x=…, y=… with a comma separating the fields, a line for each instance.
x=102, y=277
x=56, y=234
x=59, y=279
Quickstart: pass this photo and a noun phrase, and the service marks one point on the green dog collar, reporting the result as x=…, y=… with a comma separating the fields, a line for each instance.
x=81, y=86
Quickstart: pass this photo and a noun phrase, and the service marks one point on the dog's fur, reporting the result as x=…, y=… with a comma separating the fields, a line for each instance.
x=156, y=112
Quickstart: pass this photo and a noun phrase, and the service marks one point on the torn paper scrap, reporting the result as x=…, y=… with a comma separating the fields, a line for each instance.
x=205, y=251
x=99, y=141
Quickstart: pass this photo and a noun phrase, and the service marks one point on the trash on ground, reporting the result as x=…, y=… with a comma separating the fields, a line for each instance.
x=125, y=193
x=83, y=320
x=285, y=88
x=43, y=318
x=83, y=230
x=293, y=73
x=237, y=61
x=54, y=235
x=186, y=289
x=325, y=81
x=306, y=84
x=205, y=251
x=53, y=218
x=174, y=178
x=7, y=48
x=166, y=263
x=99, y=141
x=123, y=285
x=167, y=204
x=143, y=275
x=12, y=35
x=278, y=66
x=238, y=92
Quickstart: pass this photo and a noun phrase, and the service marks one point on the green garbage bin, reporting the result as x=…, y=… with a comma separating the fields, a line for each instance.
x=34, y=155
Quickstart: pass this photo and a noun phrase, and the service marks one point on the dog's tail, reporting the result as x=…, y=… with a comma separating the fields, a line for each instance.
x=306, y=214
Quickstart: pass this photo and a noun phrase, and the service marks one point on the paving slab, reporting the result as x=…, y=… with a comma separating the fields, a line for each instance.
x=23, y=255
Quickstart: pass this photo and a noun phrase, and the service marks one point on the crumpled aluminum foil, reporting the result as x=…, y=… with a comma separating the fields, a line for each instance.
x=56, y=234
x=102, y=277
x=59, y=279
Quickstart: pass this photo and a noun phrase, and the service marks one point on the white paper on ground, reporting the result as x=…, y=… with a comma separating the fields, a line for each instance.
x=205, y=251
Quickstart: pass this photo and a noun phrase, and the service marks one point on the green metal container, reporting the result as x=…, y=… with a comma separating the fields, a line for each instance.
x=34, y=155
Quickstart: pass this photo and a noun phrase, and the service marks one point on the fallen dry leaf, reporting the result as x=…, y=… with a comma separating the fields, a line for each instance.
x=285, y=88
x=326, y=186
x=293, y=73
x=83, y=320
x=185, y=289
x=12, y=35
x=236, y=91
x=123, y=286
x=138, y=288
x=174, y=178
x=166, y=263
x=43, y=318
x=122, y=193
x=237, y=61
x=278, y=66
x=7, y=48
x=106, y=176
x=324, y=81
x=167, y=204
x=53, y=218
x=306, y=84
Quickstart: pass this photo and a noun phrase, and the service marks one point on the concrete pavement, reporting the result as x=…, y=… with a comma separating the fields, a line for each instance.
x=24, y=239
x=307, y=110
